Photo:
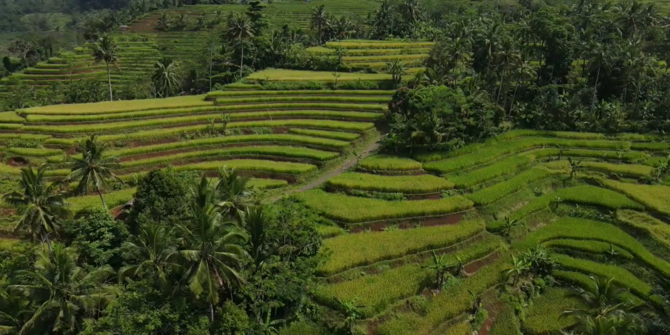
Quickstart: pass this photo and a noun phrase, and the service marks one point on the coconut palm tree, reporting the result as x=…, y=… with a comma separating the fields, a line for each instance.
x=213, y=252
x=319, y=20
x=93, y=168
x=14, y=309
x=233, y=194
x=63, y=291
x=38, y=203
x=254, y=221
x=104, y=50
x=166, y=76
x=239, y=30
x=157, y=252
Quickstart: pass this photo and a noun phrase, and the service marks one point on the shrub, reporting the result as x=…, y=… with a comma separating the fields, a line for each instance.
x=352, y=250
x=403, y=184
x=356, y=210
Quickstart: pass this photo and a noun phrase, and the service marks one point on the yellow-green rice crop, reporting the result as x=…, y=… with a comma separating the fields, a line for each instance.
x=484, y=154
x=364, y=44
x=657, y=229
x=403, y=184
x=216, y=94
x=655, y=197
x=376, y=292
x=651, y=146
x=253, y=151
x=352, y=250
x=10, y=117
x=118, y=106
x=544, y=315
x=446, y=305
x=623, y=169
x=35, y=152
x=619, y=274
x=494, y=193
x=116, y=126
x=388, y=163
x=582, y=229
x=112, y=199
x=589, y=246
x=297, y=75
x=336, y=135
x=236, y=139
x=250, y=165
x=307, y=98
x=264, y=183
x=506, y=166
x=357, y=210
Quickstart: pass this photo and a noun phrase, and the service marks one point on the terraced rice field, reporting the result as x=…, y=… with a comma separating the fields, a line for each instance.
x=374, y=55
x=278, y=137
x=397, y=210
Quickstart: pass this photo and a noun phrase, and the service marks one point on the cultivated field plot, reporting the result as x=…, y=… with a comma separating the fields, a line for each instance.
x=597, y=203
x=368, y=54
x=278, y=137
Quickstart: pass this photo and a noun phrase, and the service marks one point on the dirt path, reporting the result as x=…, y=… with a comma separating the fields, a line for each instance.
x=340, y=169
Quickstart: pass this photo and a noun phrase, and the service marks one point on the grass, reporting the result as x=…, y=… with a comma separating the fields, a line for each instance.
x=620, y=275
x=389, y=163
x=378, y=291
x=278, y=151
x=35, y=152
x=544, y=314
x=403, y=184
x=236, y=139
x=446, y=305
x=335, y=135
x=489, y=195
x=297, y=75
x=250, y=165
x=120, y=106
x=357, y=210
x=582, y=229
x=654, y=197
x=352, y=250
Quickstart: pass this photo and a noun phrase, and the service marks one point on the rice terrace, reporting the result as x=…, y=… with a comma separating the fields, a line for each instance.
x=322, y=167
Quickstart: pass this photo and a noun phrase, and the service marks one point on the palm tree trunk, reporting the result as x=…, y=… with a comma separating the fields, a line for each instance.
x=101, y=197
x=595, y=90
x=211, y=62
x=45, y=237
x=109, y=82
x=211, y=312
x=241, y=58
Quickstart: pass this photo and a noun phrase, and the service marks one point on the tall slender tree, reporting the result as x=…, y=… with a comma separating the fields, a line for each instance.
x=213, y=252
x=157, y=250
x=319, y=21
x=39, y=204
x=240, y=30
x=104, y=50
x=94, y=168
